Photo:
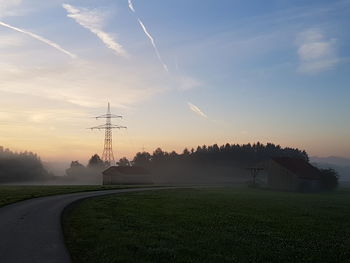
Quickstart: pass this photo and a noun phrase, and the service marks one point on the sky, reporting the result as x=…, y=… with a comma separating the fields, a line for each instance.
x=182, y=73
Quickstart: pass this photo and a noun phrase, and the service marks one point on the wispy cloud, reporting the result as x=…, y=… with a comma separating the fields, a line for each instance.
x=42, y=39
x=6, y=5
x=92, y=20
x=75, y=82
x=316, y=52
x=149, y=37
x=196, y=110
x=11, y=40
x=9, y=3
x=186, y=83
x=131, y=6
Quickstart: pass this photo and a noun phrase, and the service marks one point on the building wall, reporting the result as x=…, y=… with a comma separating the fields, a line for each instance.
x=107, y=179
x=126, y=179
x=281, y=178
x=305, y=185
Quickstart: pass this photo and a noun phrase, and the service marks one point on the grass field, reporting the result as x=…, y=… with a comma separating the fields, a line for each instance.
x=211, y=225
x=10, y=194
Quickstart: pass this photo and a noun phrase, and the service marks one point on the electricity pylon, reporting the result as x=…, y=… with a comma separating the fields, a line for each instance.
x=107, y=154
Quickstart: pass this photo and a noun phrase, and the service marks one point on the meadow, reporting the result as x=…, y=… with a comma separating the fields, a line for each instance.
x=236, y=224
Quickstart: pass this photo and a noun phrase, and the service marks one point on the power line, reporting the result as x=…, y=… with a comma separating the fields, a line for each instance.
x=107, y=154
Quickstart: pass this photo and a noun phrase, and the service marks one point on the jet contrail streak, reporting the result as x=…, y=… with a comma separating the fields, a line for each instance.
x=196, y=110
x=153, y=44
x=131, y=6
x=42, y=39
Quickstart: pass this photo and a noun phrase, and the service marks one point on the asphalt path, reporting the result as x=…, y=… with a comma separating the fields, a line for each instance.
x=31, y=230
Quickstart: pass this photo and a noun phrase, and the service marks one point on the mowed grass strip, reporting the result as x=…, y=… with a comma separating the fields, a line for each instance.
x=11, y=194
x=210, y=225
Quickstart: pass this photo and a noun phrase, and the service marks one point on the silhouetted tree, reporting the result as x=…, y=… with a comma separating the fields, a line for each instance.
x=142, y=159
x=329, y=179
x=24, y=166
x=123, y=162
x=228, y=154
x=76, y=164
x=96, y=162
x=186, y=152
x=76, y=170
x=158, y=156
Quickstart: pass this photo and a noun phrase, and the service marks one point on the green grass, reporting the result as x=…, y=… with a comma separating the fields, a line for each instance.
x=210, y=225
x=10, y=194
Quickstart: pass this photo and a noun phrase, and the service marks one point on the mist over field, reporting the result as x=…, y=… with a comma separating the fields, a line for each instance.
x=341, y=165
x=213, y=164
x=216, y=165
x=174, y=131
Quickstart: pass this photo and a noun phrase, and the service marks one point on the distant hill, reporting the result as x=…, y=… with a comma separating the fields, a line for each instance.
x=340, y=164
x=331, y=160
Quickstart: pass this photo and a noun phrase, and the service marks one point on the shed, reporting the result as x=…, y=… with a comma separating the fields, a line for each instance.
x=126, y=175
x=293, y=174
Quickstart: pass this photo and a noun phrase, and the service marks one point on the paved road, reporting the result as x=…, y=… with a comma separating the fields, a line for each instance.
x=31, y=232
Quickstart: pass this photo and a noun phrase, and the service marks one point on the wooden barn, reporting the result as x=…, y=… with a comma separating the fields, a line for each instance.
x=292, y=174
x=126, y=175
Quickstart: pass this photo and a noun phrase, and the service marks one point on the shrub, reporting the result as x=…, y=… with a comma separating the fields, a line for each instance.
x=329, y=179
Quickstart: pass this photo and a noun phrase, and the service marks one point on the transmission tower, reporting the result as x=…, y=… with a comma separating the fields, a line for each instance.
x=107, y=154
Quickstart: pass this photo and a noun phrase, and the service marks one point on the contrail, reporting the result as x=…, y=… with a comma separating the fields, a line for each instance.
x=149, y=36
x=196, y=110
x=131, y=6
x=153, y=44
x=42, y=39
x=90, y=21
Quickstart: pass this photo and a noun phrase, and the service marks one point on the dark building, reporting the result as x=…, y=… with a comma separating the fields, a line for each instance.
x=292, y=174
x=126, y=175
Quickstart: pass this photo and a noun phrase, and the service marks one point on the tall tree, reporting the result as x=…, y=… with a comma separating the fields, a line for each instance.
x=123, y=162
x=142, y=159
x=76, y=170
x=96, y=162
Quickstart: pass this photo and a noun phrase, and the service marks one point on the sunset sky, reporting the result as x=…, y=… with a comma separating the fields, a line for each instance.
x=182, y=73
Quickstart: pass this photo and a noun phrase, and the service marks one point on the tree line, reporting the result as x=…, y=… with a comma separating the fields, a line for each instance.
x=20, y=167
x=227, y=154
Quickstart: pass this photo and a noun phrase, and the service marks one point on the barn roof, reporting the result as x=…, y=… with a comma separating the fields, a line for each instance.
x=128, y=170
x=300, y=167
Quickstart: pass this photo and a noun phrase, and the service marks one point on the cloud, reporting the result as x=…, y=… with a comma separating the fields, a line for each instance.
x=316, y=52
x=185, y=83
x=38, y=117
x=9, y=3
x=11, y=40
x=131, y=6
x=93, y=20
x=196, y=110
x=42, y=39
x=84, y=83
x=149, y=37
x=6, y=5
